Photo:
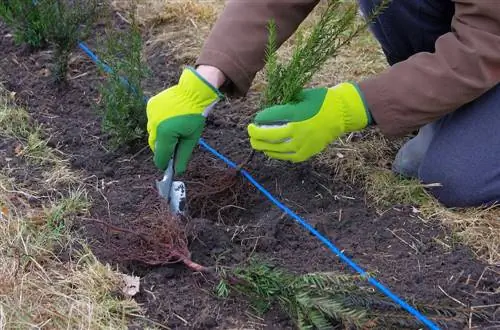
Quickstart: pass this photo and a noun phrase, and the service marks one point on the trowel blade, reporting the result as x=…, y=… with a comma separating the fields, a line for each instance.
x=164, y=186
x=163, y=189
x=173, y=191
x=178, y=202
x=175, y=194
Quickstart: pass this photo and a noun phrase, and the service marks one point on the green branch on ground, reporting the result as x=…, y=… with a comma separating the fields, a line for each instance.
x=335, y=29
x=23, y=16
x=322, y=300
x=121, y=105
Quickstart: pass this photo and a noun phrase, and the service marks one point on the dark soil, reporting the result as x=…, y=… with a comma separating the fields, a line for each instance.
x=229, y=219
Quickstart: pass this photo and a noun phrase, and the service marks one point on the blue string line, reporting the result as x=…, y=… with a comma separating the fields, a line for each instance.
x=297, y=218
x=106, y=67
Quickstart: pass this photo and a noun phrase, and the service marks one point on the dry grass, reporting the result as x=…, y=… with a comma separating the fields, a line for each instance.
x=182, y=26
x=386, y=189
x=15, y=123
x=44, y=281
x=30, y=144
x=478, y=228
x=366, y=161
x=177, y=26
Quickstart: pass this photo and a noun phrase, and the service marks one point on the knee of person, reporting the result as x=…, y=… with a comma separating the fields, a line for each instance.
x=455, y=189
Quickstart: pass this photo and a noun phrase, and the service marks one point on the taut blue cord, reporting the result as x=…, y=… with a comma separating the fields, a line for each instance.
x=297, y=218
x=106, y=67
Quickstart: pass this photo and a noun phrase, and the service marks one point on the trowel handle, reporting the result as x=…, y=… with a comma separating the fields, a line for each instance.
x=168, y=176
x=169, y=171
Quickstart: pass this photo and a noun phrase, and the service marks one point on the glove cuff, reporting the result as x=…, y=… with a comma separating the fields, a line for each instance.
x=197, y=88
x=348, y=99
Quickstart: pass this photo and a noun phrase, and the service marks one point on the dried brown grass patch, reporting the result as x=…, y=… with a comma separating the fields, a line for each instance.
x=478, y=228
x=159, y=12
x=40, y=286
x=365, y=159
x=179, y=26
x=385, y=189
x=49, y=278
x=354, y=156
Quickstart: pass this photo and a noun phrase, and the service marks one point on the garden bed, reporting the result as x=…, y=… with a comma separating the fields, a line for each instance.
x=230, y=220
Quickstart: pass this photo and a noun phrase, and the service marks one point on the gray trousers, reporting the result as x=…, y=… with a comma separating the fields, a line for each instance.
x=461, y=151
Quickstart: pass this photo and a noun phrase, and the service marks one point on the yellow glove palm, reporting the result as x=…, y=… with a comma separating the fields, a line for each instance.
x=296, y=132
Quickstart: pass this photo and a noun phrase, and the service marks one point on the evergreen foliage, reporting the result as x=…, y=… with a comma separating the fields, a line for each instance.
x=24, y=18
x=323, y=300
x=336, y=28
x=66, y=23
x=58, y=23
x=122, y=104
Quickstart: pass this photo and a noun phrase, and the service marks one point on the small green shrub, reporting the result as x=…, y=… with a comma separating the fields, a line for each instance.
x=122, y=102
x=58, y=23
x=67, y=22
x=336, y=28
x=24, y=17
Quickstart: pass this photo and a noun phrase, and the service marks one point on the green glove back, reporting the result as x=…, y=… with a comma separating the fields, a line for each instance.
x=296, y=132
x=176, y=117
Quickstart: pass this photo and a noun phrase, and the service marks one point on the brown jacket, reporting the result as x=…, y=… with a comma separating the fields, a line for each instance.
x=405, y=96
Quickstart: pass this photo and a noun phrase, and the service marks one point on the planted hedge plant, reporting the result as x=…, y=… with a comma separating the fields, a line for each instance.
x=25, y=20
x=122, y=102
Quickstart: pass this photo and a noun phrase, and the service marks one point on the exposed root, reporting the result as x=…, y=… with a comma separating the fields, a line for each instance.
x=155, y=241
x=246, y=161
x=212, y=188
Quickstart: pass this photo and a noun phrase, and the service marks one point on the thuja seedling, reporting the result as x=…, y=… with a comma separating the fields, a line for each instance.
x=24, y=17
x=335, y=29
x=66, y=23
x=122, y=105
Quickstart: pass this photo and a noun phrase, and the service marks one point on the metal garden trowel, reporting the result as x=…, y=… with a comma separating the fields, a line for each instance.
x=173, y=191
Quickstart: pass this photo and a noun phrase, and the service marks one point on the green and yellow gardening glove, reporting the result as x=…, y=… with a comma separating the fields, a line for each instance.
x=298, y=131
x=176, y=119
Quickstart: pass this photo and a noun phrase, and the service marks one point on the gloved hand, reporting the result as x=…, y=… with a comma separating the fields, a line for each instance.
x=176, y=118
x=298, y=131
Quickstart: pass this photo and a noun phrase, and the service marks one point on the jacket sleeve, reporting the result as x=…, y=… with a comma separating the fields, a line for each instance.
x=237, y=42
x=465, y=64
